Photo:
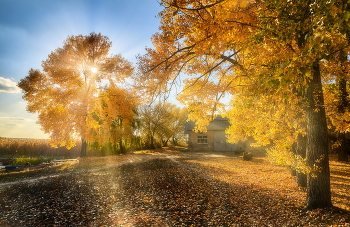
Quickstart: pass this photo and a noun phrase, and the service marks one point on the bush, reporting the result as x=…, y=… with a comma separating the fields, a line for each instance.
x=247, y=156
x=32, y=161
x=239, y=151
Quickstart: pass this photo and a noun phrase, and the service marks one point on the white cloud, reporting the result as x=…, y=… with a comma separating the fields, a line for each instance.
x=6, y=122
x=11, y=124
x=14, y=119
x=19, y=127
x=8, y=86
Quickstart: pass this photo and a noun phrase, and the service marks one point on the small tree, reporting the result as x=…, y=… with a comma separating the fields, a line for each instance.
x=173, y=129
x=162, y=122
x=112, y=121
x=66, y=93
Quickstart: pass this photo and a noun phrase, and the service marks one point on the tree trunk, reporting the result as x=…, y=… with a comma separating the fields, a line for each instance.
x=174, y=141
x=83, y=148
x=301, y=150
x=152, y=143
x=165, y=142
x=121, y=146
x=318, y=180
x=342, y=155
x=293, y=171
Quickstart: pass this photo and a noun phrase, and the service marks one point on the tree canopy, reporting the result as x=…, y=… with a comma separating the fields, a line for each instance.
x=162, y=122
x=113, y=119
x=67, y=92
x=267, y=55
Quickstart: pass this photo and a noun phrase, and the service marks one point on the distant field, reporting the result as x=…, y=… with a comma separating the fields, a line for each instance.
x=34, y=148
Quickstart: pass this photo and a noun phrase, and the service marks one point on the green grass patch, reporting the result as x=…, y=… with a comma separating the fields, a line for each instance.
x=31, y=160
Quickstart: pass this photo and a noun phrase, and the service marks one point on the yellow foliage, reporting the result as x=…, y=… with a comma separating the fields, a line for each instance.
x=112, y=116
x=262, y=54
x=67, y=91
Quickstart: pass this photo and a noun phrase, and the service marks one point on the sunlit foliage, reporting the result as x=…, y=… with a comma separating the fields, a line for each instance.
x=266, y=55
x=113, y=120
x=336, y=92
x=162, y=123
x=67, y=91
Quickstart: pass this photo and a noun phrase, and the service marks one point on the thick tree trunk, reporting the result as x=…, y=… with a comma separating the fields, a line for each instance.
x=318, y=180
x=301, y=150
x=83, y=148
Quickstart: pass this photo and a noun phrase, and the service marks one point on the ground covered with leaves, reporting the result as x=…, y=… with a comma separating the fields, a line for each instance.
x=169, y=189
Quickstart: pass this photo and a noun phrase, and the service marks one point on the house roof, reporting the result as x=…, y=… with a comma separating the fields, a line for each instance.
x=218, y=124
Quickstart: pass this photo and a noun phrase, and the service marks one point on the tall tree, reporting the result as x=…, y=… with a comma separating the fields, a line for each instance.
x=299, y=28
x=65, y=93
x=229, y=46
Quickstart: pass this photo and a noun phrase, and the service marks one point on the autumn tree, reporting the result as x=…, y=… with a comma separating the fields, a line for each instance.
x=307, y=42
x=337, y=100
x=234, y=47
x=161, y=122
x=66, y=92
x=173, y=130
x=274, y=123
x=112, y=122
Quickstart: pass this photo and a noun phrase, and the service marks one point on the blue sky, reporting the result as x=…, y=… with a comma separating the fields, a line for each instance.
x=31, y=29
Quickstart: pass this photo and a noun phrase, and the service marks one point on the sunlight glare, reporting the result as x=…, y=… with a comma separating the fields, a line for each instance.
x=94, y=70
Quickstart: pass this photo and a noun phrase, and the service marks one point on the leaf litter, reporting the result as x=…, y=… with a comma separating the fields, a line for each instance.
x=161, y=191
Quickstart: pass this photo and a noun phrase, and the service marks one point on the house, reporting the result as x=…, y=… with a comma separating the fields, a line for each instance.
x=212, y=140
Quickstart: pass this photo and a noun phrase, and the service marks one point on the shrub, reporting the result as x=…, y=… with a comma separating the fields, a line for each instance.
x=32, y=161
x=247, y=156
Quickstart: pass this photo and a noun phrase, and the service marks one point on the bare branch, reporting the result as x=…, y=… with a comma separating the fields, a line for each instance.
x=225, y=58
x=174, y=4
x=165, y=60
x=229, y=59
x=241, y=23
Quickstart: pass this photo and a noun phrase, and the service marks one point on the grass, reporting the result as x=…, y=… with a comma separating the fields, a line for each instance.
x=31, y=161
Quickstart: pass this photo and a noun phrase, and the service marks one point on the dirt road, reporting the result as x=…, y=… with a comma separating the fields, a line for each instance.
x=152, y=190
x=156, y=190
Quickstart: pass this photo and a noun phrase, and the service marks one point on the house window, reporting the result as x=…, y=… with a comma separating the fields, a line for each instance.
x=202, y=139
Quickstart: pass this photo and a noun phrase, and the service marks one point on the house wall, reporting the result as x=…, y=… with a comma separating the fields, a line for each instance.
x=220, y=143
x=216, y=142
x=193, y=142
